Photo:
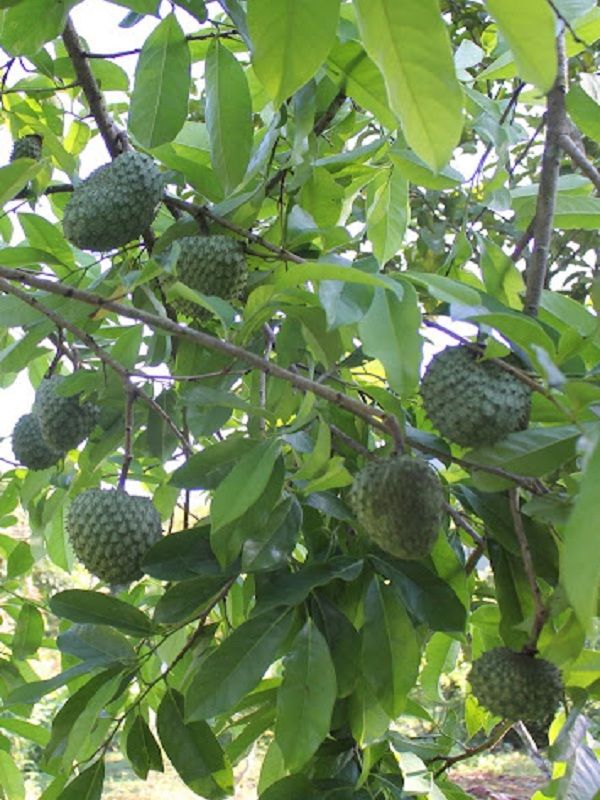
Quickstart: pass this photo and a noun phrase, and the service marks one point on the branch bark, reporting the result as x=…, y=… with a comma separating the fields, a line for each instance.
x=546, y=202
x=579, y=158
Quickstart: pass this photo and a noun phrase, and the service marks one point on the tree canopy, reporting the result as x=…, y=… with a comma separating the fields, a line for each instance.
x=299, y=203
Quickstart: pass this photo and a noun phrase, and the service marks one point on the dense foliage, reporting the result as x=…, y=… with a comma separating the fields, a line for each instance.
x=392, y=176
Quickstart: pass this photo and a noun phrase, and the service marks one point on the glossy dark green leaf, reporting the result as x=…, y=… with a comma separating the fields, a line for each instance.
x=87, y=785
x=183, y=555
x=272, y=545
x=294, y=787
x=305, y=698
x=206, y=470
x=228, y=115
x=343, y=641
x=237, y=665
x=184, y=599
x=390, y=653
x=513, y=595
x=29, y=631
x=159, y=102
x=100, y=609
x=426, y=596
x=193, y=749
x=142, y=748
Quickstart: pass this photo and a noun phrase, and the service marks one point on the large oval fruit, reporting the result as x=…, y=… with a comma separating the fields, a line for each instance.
x=115, y=204
x=516, y=686
x=400, y=504
x=473, y=402
x=111, y=531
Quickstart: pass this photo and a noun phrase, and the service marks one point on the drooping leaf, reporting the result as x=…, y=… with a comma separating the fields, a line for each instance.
x=409, y=43
x=237, y=665
x=228, y=115
x=29, y=631
x=388, y=215
x=290, y=41
x=159, y=101
x=142, y=748
x=87, y=785
x=13, y=177
x=84, y=606
x=305, y=698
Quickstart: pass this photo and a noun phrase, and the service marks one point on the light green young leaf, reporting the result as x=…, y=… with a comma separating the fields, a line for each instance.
x=583, y=105
x=409, y=43
x=290, y=41
x=244, y=484
x=228, y=115
x=390, y=332
x=13, y=177
x=159, y=101
x=388, y=215
x=529, y=29
x=25, y=27
x=29, y=631
x=306, y=697
x=580, y=556
x=11, y=778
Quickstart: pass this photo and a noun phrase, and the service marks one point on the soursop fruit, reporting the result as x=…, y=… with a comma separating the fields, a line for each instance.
x=516, y=686
x=29, y=446
x=111, y=531
x=115, y=204
x=473, y=402
x=400, y=504
x=29, y=146
x=64, y=421
x=213, y=265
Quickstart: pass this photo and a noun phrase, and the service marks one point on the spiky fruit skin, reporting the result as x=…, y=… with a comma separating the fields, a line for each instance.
x=111, y=531
x=29, y=446
x=473, y=402
x=516, y=686
x=64, y=421
x=27, y=147
x=115, y=204
x=212, y=265
x=400, y=504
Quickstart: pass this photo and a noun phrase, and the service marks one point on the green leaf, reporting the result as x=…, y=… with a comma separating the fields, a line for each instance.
x=390, y=332
x=272, y=545
x=580, y=556
x=305, y=698
x=28, y=25
x=530, y=33
x=390, y=653
x=533, y=452
x=583, y=105
x=197, y=8
x=142, y=749
x=387, y=215
x=409, y=43
x=343, y=641
x=85, y=606
x=15, y=176
x=159, y=102
x=29, y=631
x=185, y=599
x=44, y=236
x=228, y=115
x=96, y=643
x=237, y=665
x=183, y=555
x=281, y=31
x=192, y=748
x=416, y=171
x=87, y=785
x=11, y=778
x=26, y=730
x=206, y=470
x=244, y=484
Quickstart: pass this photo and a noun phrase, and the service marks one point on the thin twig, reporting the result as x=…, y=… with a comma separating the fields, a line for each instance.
x=546, y=201
x=462, y=522
x=497, y=735
x=523, y=241
x=541, y=613
x=352, y=443
x=192, y=37
x=130, y=393
x=579, y=158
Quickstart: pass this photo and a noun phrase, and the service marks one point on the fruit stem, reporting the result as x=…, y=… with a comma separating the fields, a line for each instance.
x=130, y=394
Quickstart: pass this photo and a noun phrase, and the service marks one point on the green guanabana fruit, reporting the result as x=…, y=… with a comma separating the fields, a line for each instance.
x=29, y=146
x=64, y=421
x=473, y=402
x=213, y=265
x=400, y=504
x=115, y=204
x=29, y=446
x=111, y=531
x=516, y=686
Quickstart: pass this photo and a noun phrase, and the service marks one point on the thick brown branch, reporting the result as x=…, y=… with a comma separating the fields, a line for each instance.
x=114, y=139
x=541, y=612
x=579, y=158
x=546, y=201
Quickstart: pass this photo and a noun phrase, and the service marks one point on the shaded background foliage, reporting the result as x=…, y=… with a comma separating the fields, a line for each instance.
x=391, y=170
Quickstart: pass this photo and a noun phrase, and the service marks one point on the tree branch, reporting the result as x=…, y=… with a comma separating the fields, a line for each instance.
x=114, y=138
x=546, y=201
x=541, y=612
x=579, y=158
x=497, y=735
x=130, y=393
